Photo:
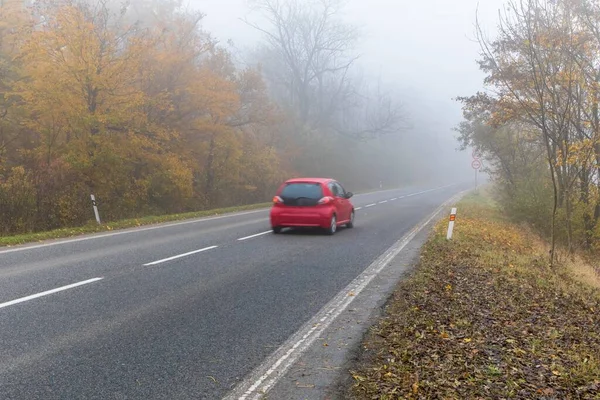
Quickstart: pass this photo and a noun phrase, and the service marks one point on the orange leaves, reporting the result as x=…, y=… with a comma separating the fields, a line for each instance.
x=81, y=79
x=152, y=121
x=215, y=96
x=415, y=388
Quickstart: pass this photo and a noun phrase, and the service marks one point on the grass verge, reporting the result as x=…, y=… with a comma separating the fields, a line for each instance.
x=123, y=224
x=484, y=316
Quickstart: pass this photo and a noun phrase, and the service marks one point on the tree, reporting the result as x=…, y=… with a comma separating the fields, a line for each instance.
x=14, y=25
x=543, y=78
x=309, y=63
x=137, y=104
x=534, y=76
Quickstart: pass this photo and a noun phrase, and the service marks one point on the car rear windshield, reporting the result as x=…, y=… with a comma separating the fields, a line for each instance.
x=307, y=190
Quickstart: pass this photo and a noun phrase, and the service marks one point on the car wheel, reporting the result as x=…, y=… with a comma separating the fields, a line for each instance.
x=332, y=225
x=351, y=223
x=276, y=230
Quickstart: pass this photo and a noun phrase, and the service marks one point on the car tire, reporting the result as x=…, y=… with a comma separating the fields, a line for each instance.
x=350, y=224
x=276, y=230
x=332, y=226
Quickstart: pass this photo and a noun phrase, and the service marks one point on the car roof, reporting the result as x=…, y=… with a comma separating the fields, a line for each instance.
x=309, y=180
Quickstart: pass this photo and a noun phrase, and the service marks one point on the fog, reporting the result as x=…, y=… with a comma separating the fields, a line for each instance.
x=426, y=50
x=139, y=106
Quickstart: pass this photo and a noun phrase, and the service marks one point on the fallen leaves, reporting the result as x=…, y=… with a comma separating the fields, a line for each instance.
x=415, y=388
x=484, y=317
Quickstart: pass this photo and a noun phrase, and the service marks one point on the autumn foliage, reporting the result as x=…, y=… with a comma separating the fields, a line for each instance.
x=138, y=106
x=484, y=316
x=539, y=121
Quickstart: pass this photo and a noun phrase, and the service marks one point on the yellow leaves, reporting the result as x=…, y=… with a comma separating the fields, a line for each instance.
x=415, y=388
x=80, y=77
x=14, y=24
x=578, y=153
x=137, y=114
x=467, y=340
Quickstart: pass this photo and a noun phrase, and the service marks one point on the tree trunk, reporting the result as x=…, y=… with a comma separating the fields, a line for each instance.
x=550, y=158
x=569, y=211
x=209, y=187
x=588, y=221
x=597, y=208
x=565, y=193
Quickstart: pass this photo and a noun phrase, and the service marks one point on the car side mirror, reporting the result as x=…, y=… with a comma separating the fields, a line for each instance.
x=349, y=195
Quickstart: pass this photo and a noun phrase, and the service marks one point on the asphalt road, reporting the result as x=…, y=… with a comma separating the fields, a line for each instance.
x=182, y=311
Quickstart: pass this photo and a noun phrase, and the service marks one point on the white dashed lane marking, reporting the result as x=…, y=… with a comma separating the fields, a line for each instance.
x=253, y=236
x=164, y=260
x=49, y=292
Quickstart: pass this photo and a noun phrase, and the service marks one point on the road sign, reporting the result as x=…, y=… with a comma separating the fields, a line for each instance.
x=476, y=164
x=476, y=155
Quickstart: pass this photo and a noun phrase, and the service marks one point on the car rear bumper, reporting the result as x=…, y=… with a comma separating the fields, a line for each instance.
x=291, y=217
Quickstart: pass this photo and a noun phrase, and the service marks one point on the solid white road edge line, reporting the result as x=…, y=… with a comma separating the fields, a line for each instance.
x=253, y=236
x=164, y=260
x=264, y=378
x=48, y=292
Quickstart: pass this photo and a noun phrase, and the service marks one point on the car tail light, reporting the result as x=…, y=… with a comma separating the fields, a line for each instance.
x=326, y=200
x=277, y=200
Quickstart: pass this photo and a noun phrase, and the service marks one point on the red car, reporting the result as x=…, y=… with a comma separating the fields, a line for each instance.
x=312, y=202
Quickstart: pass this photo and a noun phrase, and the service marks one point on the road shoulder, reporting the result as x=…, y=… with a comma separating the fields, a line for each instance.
x=321, y=372
x=485, y=315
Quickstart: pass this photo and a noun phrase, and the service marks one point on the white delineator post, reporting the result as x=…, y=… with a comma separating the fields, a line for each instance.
x=451, y=224
x=95, y=205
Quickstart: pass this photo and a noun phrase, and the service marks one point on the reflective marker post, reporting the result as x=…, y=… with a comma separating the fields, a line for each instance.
x=95, y=205
x=451, y=224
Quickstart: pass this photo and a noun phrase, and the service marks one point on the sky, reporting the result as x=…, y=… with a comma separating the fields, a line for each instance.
x=426, y=45
x=426, y=48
